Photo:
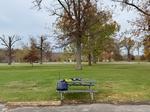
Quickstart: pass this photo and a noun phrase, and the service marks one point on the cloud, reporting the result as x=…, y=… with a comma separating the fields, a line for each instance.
x=16, y=16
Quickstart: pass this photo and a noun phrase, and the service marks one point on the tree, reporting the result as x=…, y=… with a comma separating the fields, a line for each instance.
x=47, y=51
x=32, y=55
x=97, y=24
x=95, y=44
x=41, y=47
x=128, y=43
x=141, y=5
x=146, y=43
x=77, y=19
x=72, y=22
x=138, y=45
x=111, y=50
x=116, y=51
x=142, y=25
x=108, y=49
x=96, y=34
x=9, y=45
x=68, y=53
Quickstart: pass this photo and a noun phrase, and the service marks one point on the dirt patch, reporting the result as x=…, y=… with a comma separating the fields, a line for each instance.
x=32, y=104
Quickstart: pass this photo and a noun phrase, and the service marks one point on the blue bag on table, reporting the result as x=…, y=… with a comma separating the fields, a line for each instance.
x=62, y=85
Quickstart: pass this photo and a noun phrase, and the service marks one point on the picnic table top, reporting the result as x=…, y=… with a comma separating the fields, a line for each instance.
x=77, y=91
x=82, y=83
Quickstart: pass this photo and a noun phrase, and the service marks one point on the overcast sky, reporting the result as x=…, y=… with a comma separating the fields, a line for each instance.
x=18, y=17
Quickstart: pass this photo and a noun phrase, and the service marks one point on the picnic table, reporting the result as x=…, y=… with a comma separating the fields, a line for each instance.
x=88, y=84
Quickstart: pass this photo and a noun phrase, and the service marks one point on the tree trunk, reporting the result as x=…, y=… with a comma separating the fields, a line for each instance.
x=32, y=64
x=138, y=55
x=129, y=57
x=89, y=60
x=9, y=52
x=9, y=56
x=94, y=59
x=41, y=51
x=78, y=54
x=41, y=57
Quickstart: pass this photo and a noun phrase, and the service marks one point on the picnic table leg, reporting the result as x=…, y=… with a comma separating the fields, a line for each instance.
x=89, y=87
x=92, y=95
x=61, y=96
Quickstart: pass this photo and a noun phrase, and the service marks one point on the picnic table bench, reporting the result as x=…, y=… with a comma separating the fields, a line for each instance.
x=84, y=83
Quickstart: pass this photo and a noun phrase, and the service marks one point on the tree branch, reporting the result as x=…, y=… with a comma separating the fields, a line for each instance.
x=37, y=3
x=133, y=5
x=4, y=42
x=65, y=9
x=15, y=41
x=142, y=11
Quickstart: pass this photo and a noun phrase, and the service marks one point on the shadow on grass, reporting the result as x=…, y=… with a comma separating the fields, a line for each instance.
x=77, y=98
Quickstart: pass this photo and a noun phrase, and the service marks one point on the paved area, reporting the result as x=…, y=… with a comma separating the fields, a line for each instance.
x=82, y=108
x=1, y=107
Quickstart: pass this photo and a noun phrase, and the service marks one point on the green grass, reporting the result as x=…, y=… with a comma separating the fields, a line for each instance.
x=115, y=82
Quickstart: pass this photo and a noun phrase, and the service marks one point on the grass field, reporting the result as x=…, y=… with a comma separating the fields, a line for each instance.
x=115, y=82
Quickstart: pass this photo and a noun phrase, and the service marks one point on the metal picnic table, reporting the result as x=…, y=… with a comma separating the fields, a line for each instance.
x=84, y=83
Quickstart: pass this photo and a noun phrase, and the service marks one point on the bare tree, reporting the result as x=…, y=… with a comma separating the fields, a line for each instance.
x=44, y=47
x=41, y=47
x=8, y=43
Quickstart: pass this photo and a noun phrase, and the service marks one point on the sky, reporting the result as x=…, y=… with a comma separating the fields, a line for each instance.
x=20, y=18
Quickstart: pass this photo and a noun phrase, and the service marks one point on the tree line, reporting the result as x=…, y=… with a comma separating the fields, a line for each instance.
x=39, y=50
x=34, y=52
